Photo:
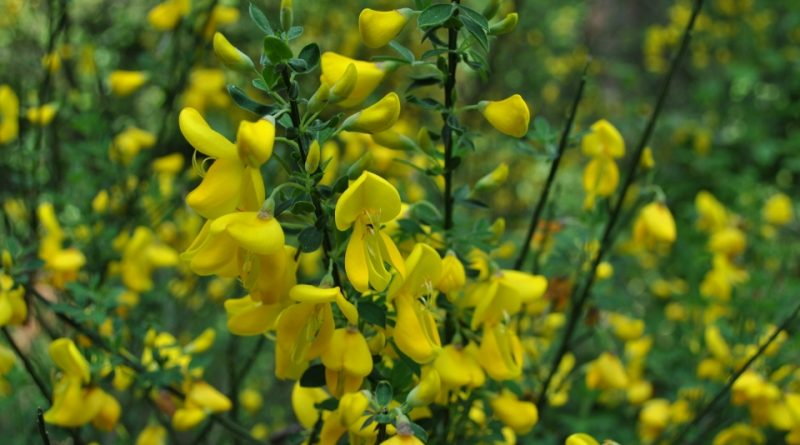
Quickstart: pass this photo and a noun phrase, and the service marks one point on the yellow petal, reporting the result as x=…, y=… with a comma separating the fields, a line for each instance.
x=313, y=294
x=252, y=231
x=423, y=269
x=370, y=194
x=378, y=28
x=69, y=359
x=124, y=83
x=604, y=140
x=380, y=116
x=415, y=332
x=370, y=76
x=220, y=191
x=254, y=140
x=355, y=260
x=510, y=116
x=203, y=138
x=249, y=317
x=204, y=395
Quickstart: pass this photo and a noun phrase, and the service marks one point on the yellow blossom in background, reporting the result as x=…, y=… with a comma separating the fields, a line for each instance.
x=9, y=114
x=42, y=116
x=125, y=83
x=510, y=116
x=378, y=28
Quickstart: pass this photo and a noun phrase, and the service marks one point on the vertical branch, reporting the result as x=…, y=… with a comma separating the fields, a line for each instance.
x=578, y=304
x=447, y=115
x=42, y=427
x=551, y=176
x=26, y=362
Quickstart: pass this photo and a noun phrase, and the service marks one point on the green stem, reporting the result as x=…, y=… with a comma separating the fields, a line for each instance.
x=447, y=129
x=42, y=427
x=579, y=303
x=551, y=176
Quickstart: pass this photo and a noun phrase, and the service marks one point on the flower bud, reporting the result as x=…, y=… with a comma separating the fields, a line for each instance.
x=124, y=83
x=517, y=414
x=345, y=85
x=254, y=141
x=778, y=210
x=493, y=180
x=504, y=26
x=313, y=157
x=378, y=28
x=659, y=222
x=231, y=56
x=510, y=116
x=42, y=116
x=320, y=98
x=378, y=117
x=491, y=9
x=394, y=140
x=287, y=15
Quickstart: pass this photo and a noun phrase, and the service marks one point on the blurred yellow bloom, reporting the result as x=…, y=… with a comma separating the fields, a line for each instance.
x=458, y=366
x=167, y=14
x=378, y=28
x=519, y=415
x=426, y=391
x=603, y=140
x=778, y=210
x=510, y=116
x=251, y=400
x=129, y=143
x=201, y=400
x=125, y=83
x=654, y=224
x=9, y=114
x=42, y=116
x=453, y=275
x=581, y=439
x=152, y=435
x=712, y=214
x=501, y=352
x=606, y=372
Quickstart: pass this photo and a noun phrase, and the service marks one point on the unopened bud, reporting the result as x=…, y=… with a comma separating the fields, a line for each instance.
x=231, y=56
x=493, y=180
x=287, y=15
x=394, y=140
x=504, y=26
x=313, y=157
x=345, y=85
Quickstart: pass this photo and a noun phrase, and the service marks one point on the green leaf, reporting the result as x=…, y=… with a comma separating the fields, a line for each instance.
x=383, y=393
x=476, y=31
x=260, y=20
x=314, y=377
x=310, y=53
x=435, y=15
x=474, y=16
x=328, y=404
x=426, y=212
x=298, y=65
x=276, y=50
x=372, y=313
x=310, y=239
x=404, y=52
x=294, y=32
x=246, y=103
x=420, y=432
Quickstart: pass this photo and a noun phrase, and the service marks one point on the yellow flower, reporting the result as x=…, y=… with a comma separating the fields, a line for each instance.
x=604, y=140
x=654, y=224
x=303, y=401
x=125, y=83
x=504, y=26
x=42, y=116
x=152, y=435
x=347, y=361
x=728, y=241
x=215, y=249
x=129, y=143
x=581, y=439
x=653, y=418
x=234, y=180
x=366, y=204
x=494, y=179
x=251, y=400
x=713, y=215
x=778, y=210
x=606, y=372
x=13, y=309
x=519, y=415
x=503, y=295
x=380, y=116
x=500, y=352
x=426, y=391
x=166, y=15
x=510, y=116
x=201, y=400
x=369, y=76
x=230, y=55
x=9, y=114
x=378, y=28
x=453, y=275
x=458, y=366
x=600, y=178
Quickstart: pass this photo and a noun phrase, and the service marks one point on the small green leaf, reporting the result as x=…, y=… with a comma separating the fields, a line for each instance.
x=420, y=432
x=474, y=16
x=260, y=20
x=310, y=53
x=314, y=377
x=298, y=65
x=276, y=50
x=294, y=32
x=476, y=31
x=404, y=52
x=383, y=393
x=246, y=103
x=435, y=15
x=328, y=405
x=270, y=75
x=310, y=239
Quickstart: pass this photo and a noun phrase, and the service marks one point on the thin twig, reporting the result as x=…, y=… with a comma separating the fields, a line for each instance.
x=732, y=379
x=28, y=367
x=578, y=304
x=551, y=176
x=42, y=427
